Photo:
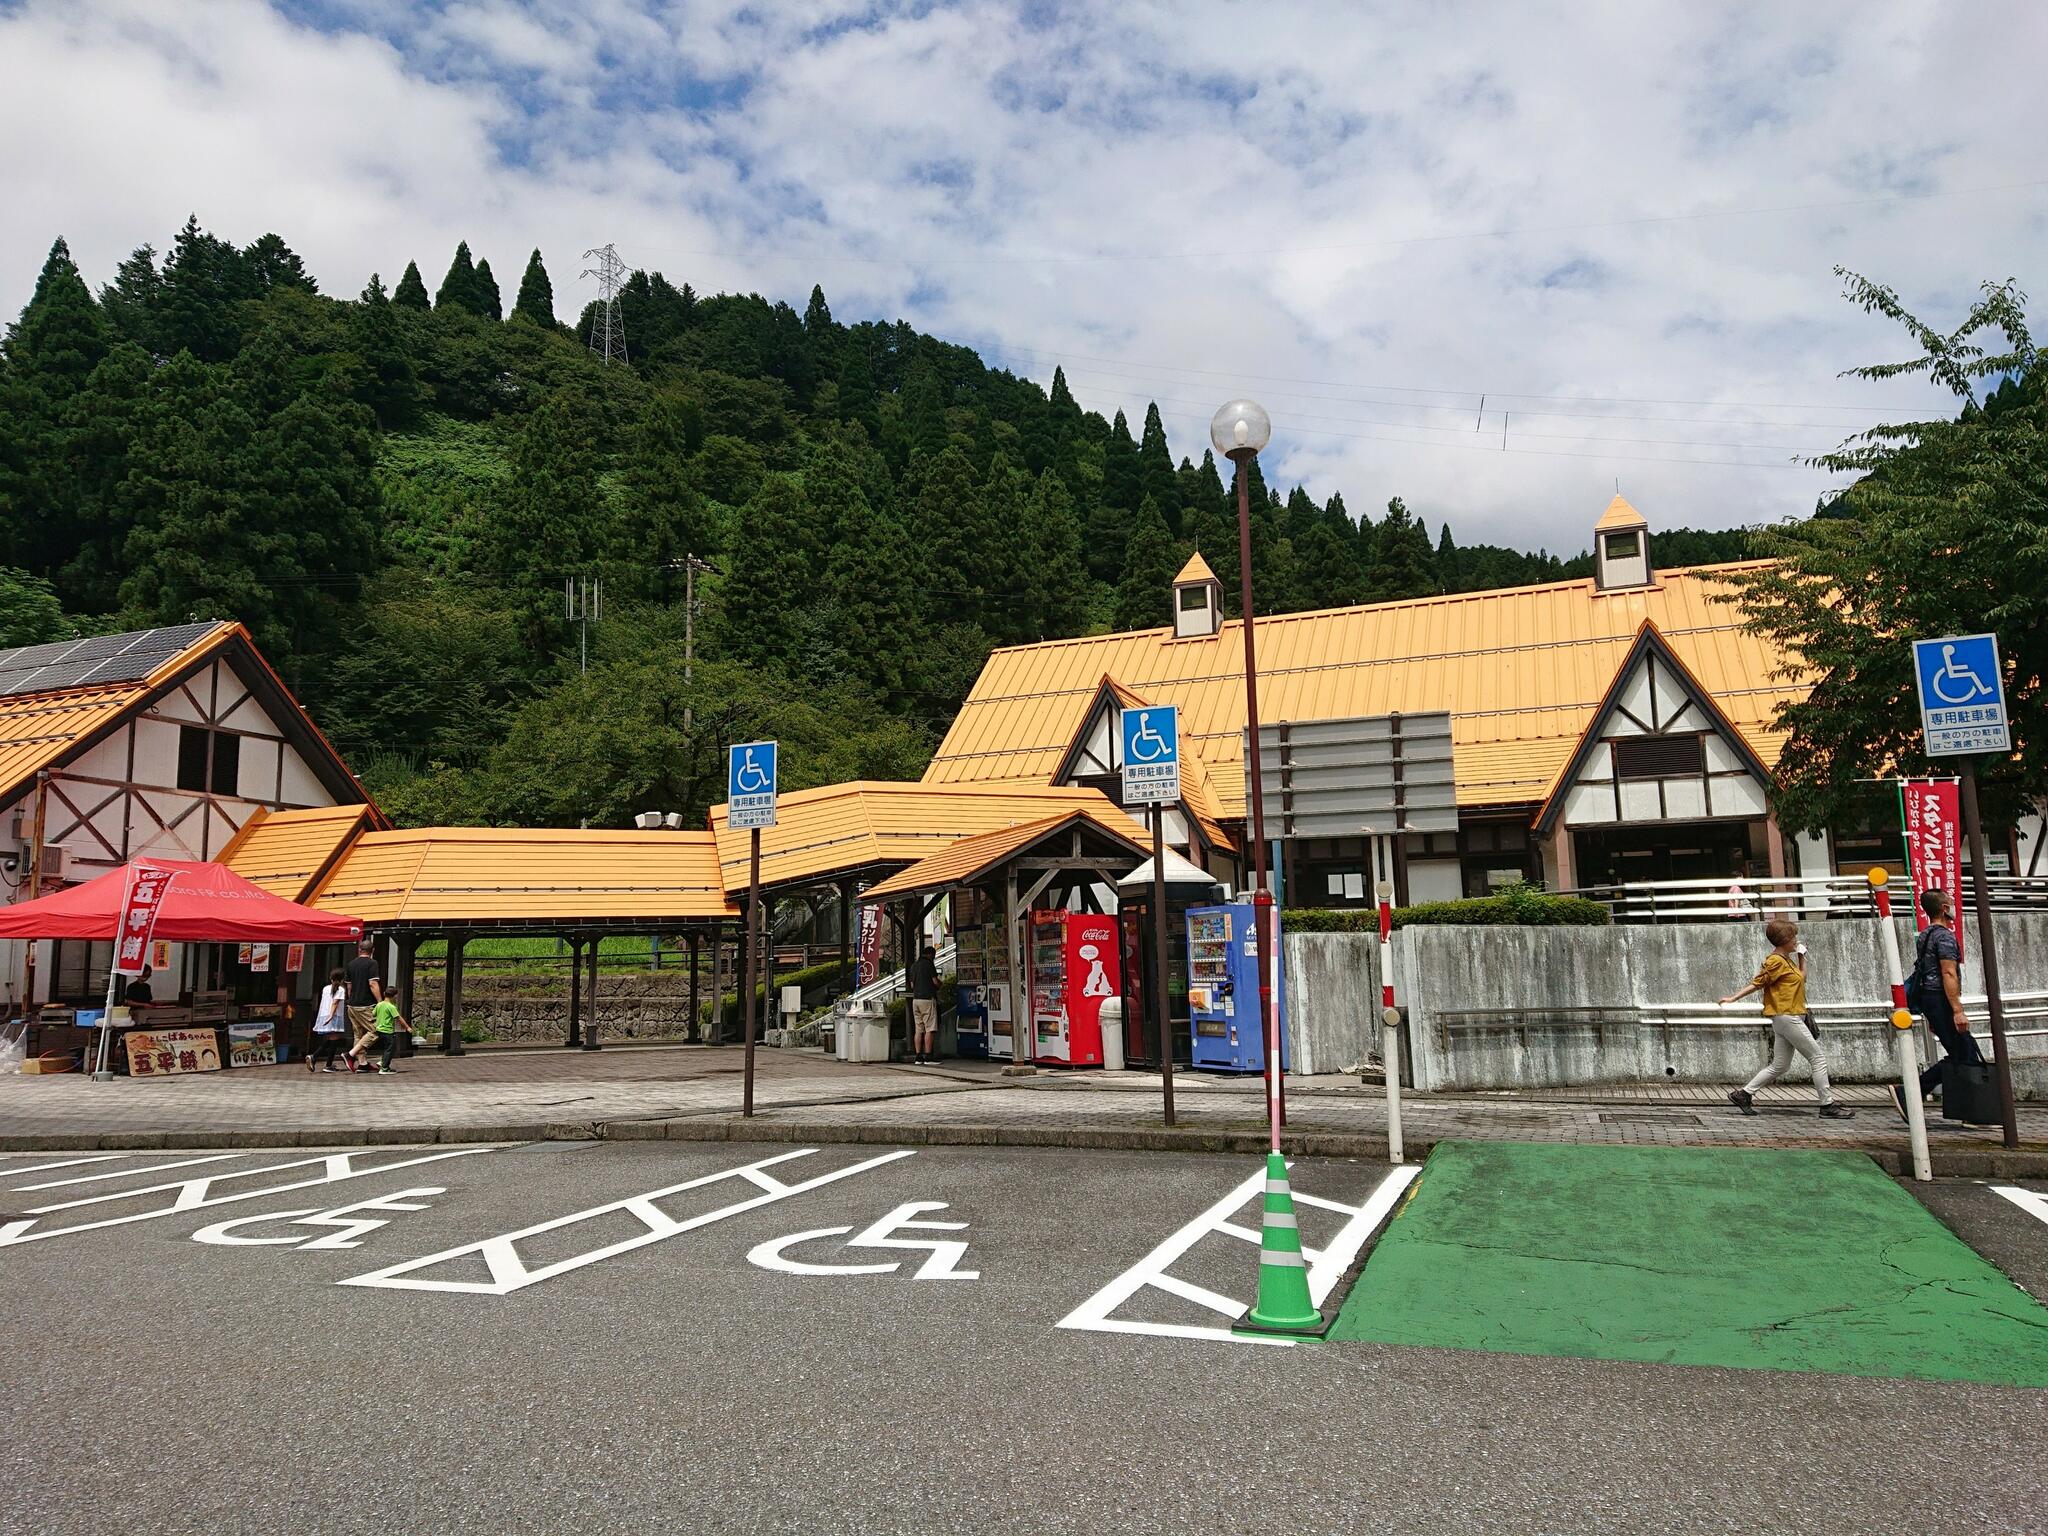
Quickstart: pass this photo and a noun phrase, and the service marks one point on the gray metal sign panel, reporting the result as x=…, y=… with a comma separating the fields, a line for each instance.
x=1345, y=778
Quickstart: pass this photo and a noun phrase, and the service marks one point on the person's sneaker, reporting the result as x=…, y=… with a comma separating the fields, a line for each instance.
x=1898, y=1093
x=1837, y=1111
x=389, y=1072
x=332, y=1067
x=1741, y=1099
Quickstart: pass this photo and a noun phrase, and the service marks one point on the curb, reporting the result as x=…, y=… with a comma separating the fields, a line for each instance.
x=1958, y=1164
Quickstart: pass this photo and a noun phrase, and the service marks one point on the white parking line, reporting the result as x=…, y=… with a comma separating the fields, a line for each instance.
x=128, y=1173
x=2035, y=1205
x=510, y=1272
x=9, y=1171
x=1326, y=1266
x=196, y=1194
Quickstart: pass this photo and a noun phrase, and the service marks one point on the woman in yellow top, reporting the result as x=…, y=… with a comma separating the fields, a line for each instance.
x=1782, y=980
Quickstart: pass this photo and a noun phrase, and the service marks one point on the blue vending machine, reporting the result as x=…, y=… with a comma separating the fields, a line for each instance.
x=972, y=984
x=1223, y=989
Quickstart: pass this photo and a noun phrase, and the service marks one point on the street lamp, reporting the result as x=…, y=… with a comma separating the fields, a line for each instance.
x=1239, y=431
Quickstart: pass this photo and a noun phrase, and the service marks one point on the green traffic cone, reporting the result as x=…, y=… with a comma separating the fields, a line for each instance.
x=1284, y=1305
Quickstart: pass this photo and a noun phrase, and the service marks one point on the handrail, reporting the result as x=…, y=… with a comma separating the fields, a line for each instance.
x=1746, y=899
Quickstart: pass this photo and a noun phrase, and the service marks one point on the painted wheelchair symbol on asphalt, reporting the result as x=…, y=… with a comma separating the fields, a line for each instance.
x=943, y=1254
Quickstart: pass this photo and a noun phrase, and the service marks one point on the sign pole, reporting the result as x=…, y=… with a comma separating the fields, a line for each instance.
x=1902, y=1026
x=1994, y=1004
x=1161, y=1006
x=753, y=951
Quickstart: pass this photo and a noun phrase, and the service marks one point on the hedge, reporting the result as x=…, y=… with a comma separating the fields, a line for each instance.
x=809, y=978
x=1518, y=904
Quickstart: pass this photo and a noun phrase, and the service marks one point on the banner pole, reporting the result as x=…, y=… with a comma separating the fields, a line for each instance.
x=1987, y=959
x=1902, y=1026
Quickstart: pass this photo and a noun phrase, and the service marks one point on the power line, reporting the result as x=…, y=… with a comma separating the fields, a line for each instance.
x=1409, y=389
x=1084, y=257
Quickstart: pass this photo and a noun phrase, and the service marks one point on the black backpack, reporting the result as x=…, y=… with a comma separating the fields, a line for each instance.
x=1916, y=984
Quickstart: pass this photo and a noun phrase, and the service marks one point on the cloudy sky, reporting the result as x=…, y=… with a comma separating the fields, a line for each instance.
x=1490, y=258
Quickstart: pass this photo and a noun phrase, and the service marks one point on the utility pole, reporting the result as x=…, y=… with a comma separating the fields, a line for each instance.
x=583, y=605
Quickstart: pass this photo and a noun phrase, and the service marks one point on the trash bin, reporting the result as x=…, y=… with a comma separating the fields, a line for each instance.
x=1112, y=1017
x=863, y=1036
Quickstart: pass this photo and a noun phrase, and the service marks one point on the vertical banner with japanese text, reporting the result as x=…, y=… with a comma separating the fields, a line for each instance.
x=869, y=966
x=146, y=886
x=1932, y=812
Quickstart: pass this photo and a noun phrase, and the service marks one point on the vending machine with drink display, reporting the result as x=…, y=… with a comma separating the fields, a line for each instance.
x=981, y=968
x=1223, y=989
x=1073, y=960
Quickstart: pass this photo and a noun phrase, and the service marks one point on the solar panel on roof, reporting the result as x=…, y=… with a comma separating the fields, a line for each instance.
x=96, y=659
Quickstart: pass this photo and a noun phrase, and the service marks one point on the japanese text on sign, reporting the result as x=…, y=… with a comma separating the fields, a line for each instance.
x=1150, y=738
x=1933, y=817
x=146, y=887
x=1962, y=695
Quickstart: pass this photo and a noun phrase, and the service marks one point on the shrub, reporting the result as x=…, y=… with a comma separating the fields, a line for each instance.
x=1516, y=904
x=810, y=978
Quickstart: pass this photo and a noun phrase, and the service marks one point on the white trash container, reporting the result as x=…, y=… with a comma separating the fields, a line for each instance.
x=1112, y=1017
x=864, y=1037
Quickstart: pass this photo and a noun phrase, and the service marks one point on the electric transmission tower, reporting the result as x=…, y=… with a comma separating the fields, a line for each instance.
x=607, y=329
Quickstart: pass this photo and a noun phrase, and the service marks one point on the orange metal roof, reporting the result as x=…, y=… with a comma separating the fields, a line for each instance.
x=448, y=876
x=1520, y=670
x=843, y=828
x=964, y=861
x=1620, y=514
x=1197, y=569
x=38, y=730
x=286, y=851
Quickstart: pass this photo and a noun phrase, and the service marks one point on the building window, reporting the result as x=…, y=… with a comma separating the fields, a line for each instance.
x=227, y=763
x=209, y=760
x=1659, y=757
x=1621, y=546
x=1193, y=599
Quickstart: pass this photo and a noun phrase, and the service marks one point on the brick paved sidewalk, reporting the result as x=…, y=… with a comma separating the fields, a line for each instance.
x=693, y=1093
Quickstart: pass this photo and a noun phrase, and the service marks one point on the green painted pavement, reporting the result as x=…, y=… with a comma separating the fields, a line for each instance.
x=1784, y=1260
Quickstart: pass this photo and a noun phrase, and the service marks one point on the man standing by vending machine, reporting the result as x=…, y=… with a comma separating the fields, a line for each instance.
x=924, y=1005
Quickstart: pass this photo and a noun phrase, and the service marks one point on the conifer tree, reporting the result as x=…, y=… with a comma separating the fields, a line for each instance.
x=1144, y=594
x=458, y=288
x=1448, y=569
x=411, y=292
x=948, y=520
x=1155, y=469
x=874, y=582
x=389, y=386
x=205, y=281
x=536, y=298
x=1053, y=574
x=1123, y=480
x=857, y=388
x=270, y=263
x=547, y=525
x=49, y=354
x=771, y=575
x=489, y=302
x=131, y=302
x=1402, y=564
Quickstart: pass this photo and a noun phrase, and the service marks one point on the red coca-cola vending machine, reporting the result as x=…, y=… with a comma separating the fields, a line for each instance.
x=1074, y=970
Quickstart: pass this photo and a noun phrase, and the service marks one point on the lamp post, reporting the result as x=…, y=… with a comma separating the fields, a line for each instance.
x=1239, y=431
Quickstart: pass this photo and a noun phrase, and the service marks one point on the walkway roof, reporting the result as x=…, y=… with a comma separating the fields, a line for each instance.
x=446, y=878
x=972, y=859
x=1520, y=670
x=286, y=852
x=868, y=826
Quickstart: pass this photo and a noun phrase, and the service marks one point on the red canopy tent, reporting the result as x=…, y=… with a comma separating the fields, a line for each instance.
x=205, y=904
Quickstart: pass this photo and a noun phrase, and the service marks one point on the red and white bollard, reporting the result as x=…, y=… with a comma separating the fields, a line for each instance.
x=1902, y=1026
x=1390, y=1022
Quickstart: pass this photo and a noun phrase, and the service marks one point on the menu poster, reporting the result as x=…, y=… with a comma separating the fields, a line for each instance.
x=259, y=957
x=169, y=1052
x=295, y=957
x=160, y=955
x=252, y=1045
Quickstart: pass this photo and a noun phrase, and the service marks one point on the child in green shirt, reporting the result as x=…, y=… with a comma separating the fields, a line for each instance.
x=387, y=1021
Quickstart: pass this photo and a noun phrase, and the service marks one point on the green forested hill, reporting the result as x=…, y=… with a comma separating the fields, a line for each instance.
x=392, y=490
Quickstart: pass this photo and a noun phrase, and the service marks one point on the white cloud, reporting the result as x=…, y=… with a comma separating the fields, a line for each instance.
x=1299, y=200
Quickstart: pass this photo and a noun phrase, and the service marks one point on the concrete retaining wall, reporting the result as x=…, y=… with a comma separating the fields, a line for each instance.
x=1496, y=1008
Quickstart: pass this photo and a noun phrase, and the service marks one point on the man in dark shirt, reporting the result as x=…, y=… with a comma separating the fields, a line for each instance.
x=924, y=1005
x=140, y=994
x=1938, y=964
x=365, y=992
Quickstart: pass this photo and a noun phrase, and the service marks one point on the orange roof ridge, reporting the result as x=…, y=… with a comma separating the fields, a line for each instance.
x=1197, y=569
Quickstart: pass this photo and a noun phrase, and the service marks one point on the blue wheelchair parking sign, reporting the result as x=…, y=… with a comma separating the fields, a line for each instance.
x=1150, y=737
x=1962, y=695
x=750, y=785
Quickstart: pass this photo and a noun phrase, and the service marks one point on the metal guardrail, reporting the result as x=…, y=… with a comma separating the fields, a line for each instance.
x=878, y=994
x=2026, y=1008
x=1754, y=900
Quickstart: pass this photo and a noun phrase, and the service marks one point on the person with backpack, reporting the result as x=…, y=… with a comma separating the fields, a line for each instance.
x=1935, y=991
x=1782, y=980
x=330, y=1023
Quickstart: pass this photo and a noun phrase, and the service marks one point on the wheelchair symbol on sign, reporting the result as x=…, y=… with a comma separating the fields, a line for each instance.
x=943, y=1255
x=1147, y=745
x=1955, y=673
x=749, y=776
